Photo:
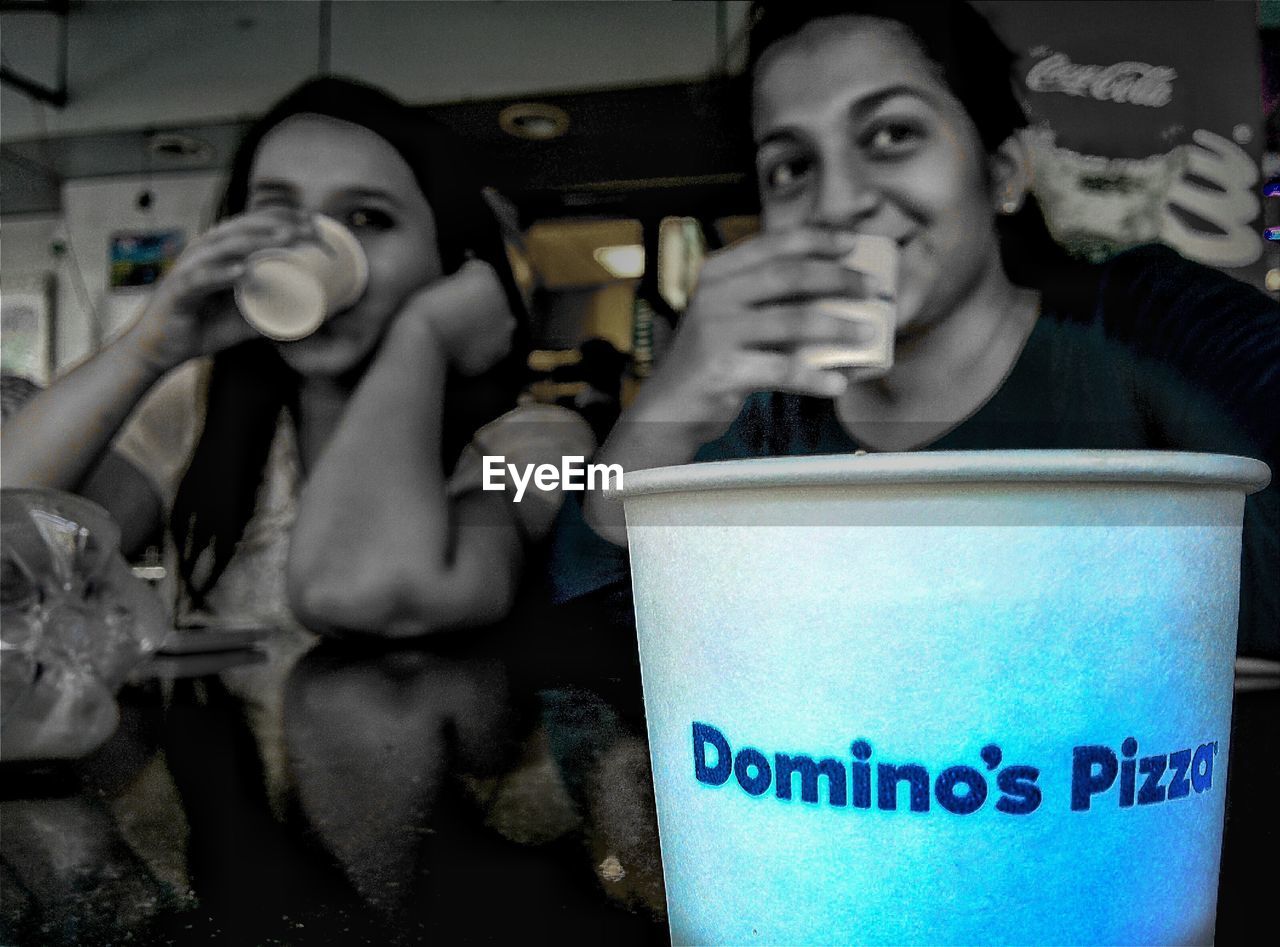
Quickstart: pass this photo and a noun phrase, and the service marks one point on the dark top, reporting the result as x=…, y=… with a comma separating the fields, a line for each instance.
x=1147, y=351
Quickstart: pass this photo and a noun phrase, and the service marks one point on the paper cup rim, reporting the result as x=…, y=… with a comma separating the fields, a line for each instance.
x=956, y=467
x=336, y=232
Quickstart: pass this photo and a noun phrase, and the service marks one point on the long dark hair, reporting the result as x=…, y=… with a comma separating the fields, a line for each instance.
x=250, y=384
x=977, y=67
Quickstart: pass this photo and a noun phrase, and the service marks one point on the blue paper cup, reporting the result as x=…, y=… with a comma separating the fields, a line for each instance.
x=940, y=697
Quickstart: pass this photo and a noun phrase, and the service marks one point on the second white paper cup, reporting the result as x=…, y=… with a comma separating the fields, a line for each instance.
x=876, y=258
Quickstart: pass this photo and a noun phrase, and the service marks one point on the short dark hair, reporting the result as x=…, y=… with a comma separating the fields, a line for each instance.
x=973, y=61
x=250, y=384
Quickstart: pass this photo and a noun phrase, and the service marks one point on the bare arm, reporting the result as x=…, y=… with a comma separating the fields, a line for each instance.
x=61, y=435
x=379, y=546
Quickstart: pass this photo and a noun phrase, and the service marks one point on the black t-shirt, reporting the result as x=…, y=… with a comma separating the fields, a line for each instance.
x=1148, y=351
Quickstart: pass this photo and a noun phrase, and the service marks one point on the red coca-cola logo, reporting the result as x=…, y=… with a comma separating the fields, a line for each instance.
x=1129, y=83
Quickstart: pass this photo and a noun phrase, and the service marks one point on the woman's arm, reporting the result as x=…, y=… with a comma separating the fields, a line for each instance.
x=379, y=546
x=62, y=432
x=61, y=440
x=58, y=438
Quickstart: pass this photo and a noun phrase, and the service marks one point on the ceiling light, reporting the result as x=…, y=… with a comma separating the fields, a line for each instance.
x=534, y=121
x=178, y=146
x=624, y=262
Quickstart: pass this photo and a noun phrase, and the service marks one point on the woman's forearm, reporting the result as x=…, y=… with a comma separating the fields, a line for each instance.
x=658, y=430
x=375, y=532
x=58, y=437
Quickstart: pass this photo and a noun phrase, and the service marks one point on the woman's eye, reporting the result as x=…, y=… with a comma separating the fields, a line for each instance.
x=891, y=140
x=783, y=176
x=368, y=218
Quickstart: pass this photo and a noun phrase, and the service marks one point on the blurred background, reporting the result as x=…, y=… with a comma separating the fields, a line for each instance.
x=612, y=134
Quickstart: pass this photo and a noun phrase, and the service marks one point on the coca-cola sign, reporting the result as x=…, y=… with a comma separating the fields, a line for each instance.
x=1129, y=83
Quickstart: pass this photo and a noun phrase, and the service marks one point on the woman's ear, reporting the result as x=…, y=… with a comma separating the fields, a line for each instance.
x=1011, y=175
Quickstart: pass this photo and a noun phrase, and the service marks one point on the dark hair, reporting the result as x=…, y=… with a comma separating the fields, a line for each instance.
x=15, y=391
x=975, y=65
x=250, y=384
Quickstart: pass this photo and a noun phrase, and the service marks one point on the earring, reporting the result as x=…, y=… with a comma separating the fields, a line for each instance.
x=1010, y=206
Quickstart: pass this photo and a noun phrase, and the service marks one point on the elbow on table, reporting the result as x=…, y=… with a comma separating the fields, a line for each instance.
x=426, y=601
x=394, y=602
x=328, y=600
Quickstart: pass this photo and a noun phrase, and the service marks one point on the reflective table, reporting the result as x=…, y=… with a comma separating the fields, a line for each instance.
x=336, y=795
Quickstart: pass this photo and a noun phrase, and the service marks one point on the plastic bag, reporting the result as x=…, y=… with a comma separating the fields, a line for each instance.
x=74, y=622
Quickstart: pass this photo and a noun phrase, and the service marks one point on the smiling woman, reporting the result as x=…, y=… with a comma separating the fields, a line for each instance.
x=897, y=123
x=869, y=144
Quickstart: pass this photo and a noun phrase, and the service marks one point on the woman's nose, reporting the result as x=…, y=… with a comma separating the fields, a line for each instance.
x=846, y=195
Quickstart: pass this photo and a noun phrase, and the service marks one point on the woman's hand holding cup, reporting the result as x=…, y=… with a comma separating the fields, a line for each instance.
x=192, y=312
x=769, y=315
x=876, y=258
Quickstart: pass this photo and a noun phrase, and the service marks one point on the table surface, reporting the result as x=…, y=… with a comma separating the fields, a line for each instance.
x=367, y=822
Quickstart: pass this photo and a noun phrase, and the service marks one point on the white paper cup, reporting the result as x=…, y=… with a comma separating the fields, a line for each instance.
x=997, y=628
x=289, y=292
x=877, y=259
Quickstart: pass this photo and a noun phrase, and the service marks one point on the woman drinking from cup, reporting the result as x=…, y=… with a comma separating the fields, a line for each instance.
x=887, y=129
x=894, y=188
x=327, y=478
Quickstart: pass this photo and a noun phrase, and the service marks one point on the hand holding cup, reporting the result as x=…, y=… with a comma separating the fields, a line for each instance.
x=782, y=311
x=876, y=258
x=191, y=312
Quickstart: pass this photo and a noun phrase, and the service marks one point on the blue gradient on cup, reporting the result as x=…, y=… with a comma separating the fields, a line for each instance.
x=932, y=643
